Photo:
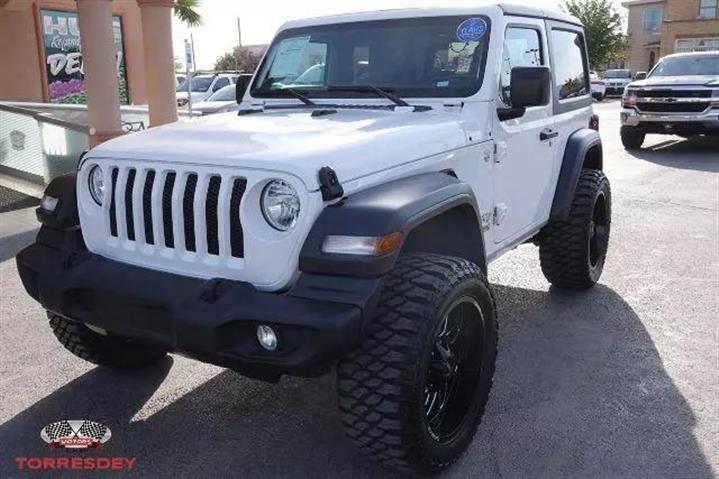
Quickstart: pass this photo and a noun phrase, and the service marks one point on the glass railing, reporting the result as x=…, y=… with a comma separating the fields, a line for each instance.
x=37, y=146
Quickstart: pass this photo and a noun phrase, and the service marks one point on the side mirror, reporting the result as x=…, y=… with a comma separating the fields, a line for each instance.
x=529, y=86
x=640, y=76
x=243, y=81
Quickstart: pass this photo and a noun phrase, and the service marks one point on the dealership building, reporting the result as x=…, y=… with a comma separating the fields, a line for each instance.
x=41, y=51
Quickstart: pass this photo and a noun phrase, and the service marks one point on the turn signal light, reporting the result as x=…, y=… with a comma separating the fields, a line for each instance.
x=362, y=245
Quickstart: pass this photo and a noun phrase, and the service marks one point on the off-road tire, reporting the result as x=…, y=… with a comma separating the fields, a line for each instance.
x=565, y=246
x=110, y=351
x=632, y=139
x=381, y=384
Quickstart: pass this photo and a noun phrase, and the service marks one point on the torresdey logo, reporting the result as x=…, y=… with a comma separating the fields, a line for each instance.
x=75, y=434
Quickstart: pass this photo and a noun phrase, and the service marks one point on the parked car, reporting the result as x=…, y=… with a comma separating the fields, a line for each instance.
x=599, y=89
x=680, y=96
x=222, y=100
x=616, y=81
x=347, y=225
x=179, y=79
x=202, y=86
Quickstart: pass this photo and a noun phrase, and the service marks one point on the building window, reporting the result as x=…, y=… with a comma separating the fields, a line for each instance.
x=708, y=8
x=652, y=19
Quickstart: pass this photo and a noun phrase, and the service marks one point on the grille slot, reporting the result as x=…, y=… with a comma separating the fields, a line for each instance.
x=167, y=209
x=237, y=240
x=155, y=201
x=147, y=207
x=674, y=93
x=211, y=219
x=188, y=212
x=129, y=220
x=673, y=107
x=113, y=217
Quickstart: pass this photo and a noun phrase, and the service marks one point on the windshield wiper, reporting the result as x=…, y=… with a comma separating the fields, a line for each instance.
x=370, y=89
x=298, y=95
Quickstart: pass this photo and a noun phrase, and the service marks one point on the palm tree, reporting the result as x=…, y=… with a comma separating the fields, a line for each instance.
x=186, y=12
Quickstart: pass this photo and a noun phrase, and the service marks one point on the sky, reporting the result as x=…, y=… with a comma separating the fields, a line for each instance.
x=261, y=19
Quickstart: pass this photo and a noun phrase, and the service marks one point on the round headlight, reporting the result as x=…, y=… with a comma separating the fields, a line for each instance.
x=96, y=182
x=280, y=205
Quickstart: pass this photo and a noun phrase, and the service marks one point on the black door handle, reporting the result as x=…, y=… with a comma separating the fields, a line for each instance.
x=548, y=134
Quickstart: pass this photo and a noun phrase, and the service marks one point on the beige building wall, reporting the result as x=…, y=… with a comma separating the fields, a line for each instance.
x=23, y=76
x=642, y=43
x=682, y=22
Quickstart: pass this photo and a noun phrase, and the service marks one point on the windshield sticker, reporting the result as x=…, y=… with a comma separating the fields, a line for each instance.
x=442, y=84
x=289, y=54
x=471, y=30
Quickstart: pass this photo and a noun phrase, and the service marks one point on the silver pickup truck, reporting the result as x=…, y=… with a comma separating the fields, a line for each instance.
x=680, y=96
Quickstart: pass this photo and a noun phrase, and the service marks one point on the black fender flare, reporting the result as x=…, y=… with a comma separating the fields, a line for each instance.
x=435, y=212
x=65, y=215
x=584, y=147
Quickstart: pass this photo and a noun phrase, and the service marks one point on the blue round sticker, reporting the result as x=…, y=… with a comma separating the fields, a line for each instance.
x=471, y=30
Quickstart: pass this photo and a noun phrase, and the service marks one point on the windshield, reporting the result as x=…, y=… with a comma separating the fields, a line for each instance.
x=689, y=65
x=226, y=93
x=418, y=57
x=617, y=74
x=199, y=84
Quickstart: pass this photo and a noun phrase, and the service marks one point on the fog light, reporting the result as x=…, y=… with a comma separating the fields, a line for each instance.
x=267, y=337
x=48, y=203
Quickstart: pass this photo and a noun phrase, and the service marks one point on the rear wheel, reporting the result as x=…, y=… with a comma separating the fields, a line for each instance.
x=103, y=349
x=632, y=138
x=412, y=395
x=572, y=251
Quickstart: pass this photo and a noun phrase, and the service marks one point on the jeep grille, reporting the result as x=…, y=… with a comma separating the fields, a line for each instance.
x=197, y=207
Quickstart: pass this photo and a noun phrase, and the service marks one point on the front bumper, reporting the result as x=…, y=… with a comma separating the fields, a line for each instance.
x=664, y=122
x=318, y=320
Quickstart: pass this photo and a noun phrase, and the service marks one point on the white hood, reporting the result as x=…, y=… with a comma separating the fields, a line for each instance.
x=354, y=143
x=693, y=80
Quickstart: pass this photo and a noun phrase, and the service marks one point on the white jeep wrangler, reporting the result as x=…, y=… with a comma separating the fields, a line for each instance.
x=345, y=221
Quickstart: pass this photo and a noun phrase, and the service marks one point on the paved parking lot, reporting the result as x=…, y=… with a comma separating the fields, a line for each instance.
x=619, y=381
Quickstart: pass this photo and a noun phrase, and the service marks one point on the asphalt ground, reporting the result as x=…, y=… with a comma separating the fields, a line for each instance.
x=618, y=381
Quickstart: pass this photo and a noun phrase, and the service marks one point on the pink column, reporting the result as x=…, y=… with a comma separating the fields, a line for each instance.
x=159, y=61
x=98, y=58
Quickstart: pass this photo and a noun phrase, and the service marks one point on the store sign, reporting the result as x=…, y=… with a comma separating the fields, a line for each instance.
x=63, y=57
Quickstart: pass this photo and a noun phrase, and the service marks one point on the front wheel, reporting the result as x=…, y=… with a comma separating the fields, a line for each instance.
x=572, y=251
x=632, y=138
x=412, y=395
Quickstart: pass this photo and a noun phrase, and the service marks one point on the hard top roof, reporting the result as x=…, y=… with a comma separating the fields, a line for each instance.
x=498, y=8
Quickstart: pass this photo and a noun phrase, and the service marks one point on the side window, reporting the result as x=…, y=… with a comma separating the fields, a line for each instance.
x=221, y=82
x=568, y=58
x=522, y=48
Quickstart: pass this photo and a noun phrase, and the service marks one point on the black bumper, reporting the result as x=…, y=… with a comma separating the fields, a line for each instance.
x=320, y=319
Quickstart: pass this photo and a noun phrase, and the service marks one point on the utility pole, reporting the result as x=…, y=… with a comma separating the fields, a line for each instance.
x=189, y=65
x=239, y=33
x=194, y=58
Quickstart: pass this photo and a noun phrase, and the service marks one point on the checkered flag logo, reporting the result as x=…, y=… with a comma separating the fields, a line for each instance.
x=75, y=434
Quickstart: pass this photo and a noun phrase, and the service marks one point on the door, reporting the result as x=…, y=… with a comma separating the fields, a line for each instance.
x=571, y=90
x=525, y=145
